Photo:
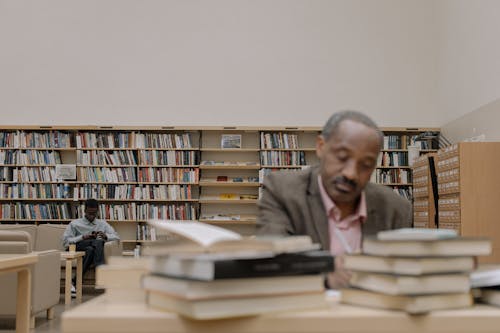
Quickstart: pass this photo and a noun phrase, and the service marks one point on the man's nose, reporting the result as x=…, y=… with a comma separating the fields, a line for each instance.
x=350, y=171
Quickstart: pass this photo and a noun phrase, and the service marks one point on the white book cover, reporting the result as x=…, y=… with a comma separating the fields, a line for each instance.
x=416, y=234
x=201, y=233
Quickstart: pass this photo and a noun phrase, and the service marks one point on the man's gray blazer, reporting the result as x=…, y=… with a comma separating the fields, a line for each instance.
x=291, y=205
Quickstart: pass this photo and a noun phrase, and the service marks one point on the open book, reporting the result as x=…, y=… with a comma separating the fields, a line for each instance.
x=199, y=237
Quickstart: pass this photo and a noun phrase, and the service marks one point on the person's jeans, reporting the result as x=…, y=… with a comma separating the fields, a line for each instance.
x=94, y=253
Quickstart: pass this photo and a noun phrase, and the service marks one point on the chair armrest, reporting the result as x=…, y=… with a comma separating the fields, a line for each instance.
x=46, y=280
x=112, y=248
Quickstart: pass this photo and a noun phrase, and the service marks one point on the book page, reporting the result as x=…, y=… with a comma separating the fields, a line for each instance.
x=201, y=233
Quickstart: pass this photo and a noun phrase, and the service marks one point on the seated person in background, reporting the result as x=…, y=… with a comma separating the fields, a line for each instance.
x=89, y=234
x=334, y=202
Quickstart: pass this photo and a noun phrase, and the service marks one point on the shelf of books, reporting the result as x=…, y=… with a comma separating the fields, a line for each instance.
x=139, y=175
x=210, y=174
x=29, y=188
x=287, y=149
x=401, y=146
x=229, y=178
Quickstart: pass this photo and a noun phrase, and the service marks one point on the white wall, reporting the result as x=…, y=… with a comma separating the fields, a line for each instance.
x=218, y=62
x=482, y=122
x=468, y=35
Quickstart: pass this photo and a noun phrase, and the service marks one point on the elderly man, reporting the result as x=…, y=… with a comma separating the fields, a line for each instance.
x=334, y=202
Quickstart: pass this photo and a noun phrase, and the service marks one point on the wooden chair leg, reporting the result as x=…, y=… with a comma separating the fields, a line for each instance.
x=50, y=313
x=32, y=321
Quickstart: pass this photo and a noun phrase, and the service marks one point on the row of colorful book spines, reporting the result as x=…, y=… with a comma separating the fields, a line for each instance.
x=111, y=212
x=168, y=175
x=21, y=139
x=146, y=211
x=38, y=191
x=29, y=157
x=393, y=176
x=106, y=157
x=278, y=141
x=123, y=192
x=393, y=159
x=130, y=192
x=404, y=192
x=187, y=157
x=32, y=174
x=144, y=158
x=399, y=141
x=128, y=174
x=145, y=232
x=42, y=211
x=283, y=158
x=133, y=140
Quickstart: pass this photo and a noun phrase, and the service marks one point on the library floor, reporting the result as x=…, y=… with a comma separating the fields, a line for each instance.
x=7, y=325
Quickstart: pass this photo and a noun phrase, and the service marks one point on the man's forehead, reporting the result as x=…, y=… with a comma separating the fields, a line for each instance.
x=349, y=129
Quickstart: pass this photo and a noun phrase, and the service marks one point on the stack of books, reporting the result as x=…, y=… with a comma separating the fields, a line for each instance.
x=486, y=284
x=219, y=274
x=414, y=270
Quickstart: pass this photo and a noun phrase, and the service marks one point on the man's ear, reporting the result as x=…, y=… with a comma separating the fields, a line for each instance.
x=320, y=146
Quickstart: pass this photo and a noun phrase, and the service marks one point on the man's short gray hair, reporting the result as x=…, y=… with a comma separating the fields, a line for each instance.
x=334, y=121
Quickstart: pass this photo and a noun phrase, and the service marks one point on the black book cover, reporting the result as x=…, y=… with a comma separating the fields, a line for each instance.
x=314, y=262
x=285, y=264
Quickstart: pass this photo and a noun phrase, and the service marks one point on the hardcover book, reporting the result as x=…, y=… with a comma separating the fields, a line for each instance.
x=416, y=234
x=408, y=266
x=490, y=295
x=193, y=290
x=411, y=285
x=411, y=304
x=214, y=266
x=238, y=306
x=201, y=237
x=485, y=276
x=459, y=246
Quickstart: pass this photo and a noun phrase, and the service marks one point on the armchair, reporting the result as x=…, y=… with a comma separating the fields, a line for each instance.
x=45, y=276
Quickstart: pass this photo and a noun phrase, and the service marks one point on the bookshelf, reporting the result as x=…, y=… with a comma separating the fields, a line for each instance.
x=138, y=175
x=468, y=178
x=229, y=178
x=400, y=147
x=210, y=174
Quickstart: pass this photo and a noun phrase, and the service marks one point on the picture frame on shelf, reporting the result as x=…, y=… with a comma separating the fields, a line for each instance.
x=230, y=141
x=65, y=172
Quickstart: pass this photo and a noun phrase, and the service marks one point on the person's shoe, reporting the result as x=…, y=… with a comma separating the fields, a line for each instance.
x=73, y=291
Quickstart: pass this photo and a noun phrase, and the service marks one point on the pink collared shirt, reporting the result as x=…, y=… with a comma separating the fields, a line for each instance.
x=349, y=227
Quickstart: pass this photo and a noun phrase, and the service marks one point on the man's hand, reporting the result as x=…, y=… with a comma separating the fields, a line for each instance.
x=101, y=235
x=341, y=276
x=92, y=235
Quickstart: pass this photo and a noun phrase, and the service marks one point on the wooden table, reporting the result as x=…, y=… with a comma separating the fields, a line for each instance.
x=69, y=257
x=105, y=315
x=20, y=264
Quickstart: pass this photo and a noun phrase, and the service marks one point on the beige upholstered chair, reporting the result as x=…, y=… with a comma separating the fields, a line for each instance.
x=45, y=276
x=50, y=235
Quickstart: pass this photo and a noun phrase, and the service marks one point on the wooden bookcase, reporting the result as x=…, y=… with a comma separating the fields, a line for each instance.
x=210, y=174
x=394, y=166
x=468, y=190
x=424, y=212
x=230, y=177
